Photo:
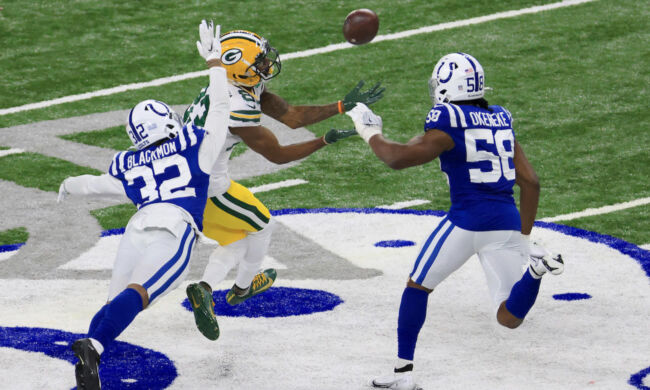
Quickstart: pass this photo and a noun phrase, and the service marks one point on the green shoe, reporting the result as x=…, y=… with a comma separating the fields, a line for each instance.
x=261, y=282
x=203, y=307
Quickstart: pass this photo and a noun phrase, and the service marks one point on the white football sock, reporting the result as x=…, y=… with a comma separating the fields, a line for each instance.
x=258, y=245
x=222, y=260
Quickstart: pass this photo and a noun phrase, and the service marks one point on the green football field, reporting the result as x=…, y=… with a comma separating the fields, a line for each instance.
x=575, y=78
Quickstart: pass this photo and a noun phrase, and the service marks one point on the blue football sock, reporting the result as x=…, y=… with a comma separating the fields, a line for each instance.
x=522, y=296
x=119, y=313
x=412, y=313
x=99, y=316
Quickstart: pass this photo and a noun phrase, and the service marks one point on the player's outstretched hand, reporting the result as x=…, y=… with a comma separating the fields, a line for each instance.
x=209, y=46
x=62, y=193
x=334, y=135
x=365, y=121
x=357, y=96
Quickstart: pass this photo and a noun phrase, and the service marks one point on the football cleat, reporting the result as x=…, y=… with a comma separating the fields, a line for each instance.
x=261, y=282
x=553, y=264
x=203, y=308
x=395, y=381
x=87, y=368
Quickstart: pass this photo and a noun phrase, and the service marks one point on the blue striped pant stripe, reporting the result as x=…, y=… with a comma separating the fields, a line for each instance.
x=178, y=273
x=433, y=256
x=427, y=243
x=171, y=262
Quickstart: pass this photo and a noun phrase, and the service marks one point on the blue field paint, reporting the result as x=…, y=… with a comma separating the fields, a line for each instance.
x=276, y=302
x=394, y=243
x=143, y=368
x=571, y=296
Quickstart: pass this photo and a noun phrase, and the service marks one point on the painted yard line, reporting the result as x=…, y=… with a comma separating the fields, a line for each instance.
x=10, y=151
x=599, y=210
x=280, y=184
x=408, y=203
x=300, y=54
x=646, y=247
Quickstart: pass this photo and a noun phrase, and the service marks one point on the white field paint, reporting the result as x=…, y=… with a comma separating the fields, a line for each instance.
x=300, y=54
x=600, y=210
x=280, y=184
x=405, y=204
x=10, y=151
x=357, y=340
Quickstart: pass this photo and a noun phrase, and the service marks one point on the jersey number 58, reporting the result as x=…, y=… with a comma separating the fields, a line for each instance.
x=500, y=161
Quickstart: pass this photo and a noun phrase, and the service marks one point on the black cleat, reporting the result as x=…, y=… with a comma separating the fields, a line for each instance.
x=87, y=368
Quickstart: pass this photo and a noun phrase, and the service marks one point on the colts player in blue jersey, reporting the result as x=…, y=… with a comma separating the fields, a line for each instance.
x=166, y=177
x=478, y=152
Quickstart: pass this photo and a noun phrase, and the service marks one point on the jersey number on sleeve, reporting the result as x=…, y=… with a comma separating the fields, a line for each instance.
x=500, y=162
x=175, y=187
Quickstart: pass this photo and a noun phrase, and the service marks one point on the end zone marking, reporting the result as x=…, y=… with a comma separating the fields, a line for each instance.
x=300, y=54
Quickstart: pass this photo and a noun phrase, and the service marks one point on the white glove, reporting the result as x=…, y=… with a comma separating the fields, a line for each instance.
x=365, y=121
x=209, y=46
x=62, y=193
x=534, y=249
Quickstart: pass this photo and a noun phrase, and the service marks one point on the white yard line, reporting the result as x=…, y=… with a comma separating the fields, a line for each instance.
x=300, y=54
x=646, y=247
x=597, y=211
x=408, y=203
x=280, y=184
x=10, y=151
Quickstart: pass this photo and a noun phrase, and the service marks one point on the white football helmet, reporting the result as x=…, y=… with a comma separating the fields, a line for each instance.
x=151, y=121
x=456, y=77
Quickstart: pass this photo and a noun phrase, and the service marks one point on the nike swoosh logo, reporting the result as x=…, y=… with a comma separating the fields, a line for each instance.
x=194, y=304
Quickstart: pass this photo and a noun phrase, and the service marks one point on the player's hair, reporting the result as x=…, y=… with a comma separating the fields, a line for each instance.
x=480, y=102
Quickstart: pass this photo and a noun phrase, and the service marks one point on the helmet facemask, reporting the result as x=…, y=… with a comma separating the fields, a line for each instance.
x=267, y=64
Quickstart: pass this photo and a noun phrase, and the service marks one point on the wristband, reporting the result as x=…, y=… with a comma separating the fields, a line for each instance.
x=341, y=107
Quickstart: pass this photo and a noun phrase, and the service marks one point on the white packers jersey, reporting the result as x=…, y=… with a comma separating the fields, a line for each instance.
x=245, y=110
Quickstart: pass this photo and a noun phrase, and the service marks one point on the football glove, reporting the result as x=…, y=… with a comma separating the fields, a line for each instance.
x=209, y=46
x=365, y=121
x=368, y=97
x=334, y=135
x=62, y=193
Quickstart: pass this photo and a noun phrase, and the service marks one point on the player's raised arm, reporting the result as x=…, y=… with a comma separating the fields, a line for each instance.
x=299, y=116
x=216, y=122
x=419, y=150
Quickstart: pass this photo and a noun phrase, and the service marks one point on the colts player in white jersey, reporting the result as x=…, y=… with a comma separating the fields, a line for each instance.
x=166, y=177
x=235, y=217
x=477, y=150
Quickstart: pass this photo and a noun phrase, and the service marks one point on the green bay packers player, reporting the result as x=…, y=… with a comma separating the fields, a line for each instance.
x=236, y=218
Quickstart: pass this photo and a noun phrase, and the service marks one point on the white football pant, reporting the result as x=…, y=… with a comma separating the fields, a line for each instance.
x=502, y=254
x=154, y=252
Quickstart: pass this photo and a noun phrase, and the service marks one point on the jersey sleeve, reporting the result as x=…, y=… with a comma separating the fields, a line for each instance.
x=94, y=185
x=245, y=107
x=215, y=123
x=438, y=118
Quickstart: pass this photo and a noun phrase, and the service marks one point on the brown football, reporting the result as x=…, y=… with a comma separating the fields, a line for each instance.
x=361, y=26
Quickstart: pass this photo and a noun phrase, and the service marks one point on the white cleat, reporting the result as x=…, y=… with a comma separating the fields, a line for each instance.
x=395, y=381
x=551, y=263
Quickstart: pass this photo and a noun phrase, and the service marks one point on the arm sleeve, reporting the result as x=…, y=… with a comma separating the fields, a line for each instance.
x=94, y=185
x=216, y=123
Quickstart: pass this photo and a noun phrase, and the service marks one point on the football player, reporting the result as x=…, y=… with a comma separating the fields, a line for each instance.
x=166, y=177
x=479, y=154
x=235, y=217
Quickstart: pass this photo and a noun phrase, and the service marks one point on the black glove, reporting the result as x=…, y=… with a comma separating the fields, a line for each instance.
x=334, y=135
x=368, y=97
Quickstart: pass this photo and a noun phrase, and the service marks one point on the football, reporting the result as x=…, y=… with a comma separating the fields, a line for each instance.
x=361, y=26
